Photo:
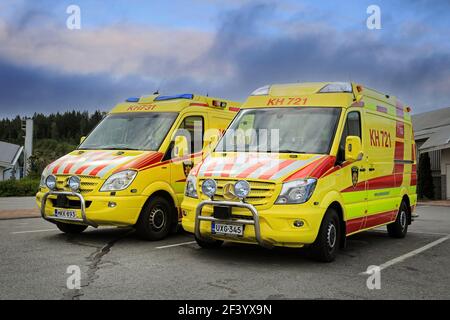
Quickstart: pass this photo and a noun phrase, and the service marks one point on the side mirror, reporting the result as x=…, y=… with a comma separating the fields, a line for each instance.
x=353, y=149
x=82, y=139
x=181, y=147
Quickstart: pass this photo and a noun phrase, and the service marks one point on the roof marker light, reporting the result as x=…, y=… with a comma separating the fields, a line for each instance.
x=217, y=103
x=133, y=99
x=336, y=87
x=198, y=104
x=263, y=91
x=177, y=96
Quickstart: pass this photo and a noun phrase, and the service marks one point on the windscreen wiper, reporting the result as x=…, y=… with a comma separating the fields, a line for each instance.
x=288, y=151
x=116, y=148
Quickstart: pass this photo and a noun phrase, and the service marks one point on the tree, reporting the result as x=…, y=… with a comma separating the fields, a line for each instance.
x=425, y=186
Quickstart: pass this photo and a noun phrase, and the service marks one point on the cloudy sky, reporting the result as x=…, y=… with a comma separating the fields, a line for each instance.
x=226, y=48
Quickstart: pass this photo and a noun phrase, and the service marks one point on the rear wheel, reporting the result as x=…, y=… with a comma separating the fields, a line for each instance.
x=71, y=228
x=325, y=247
x=209, y=244
x=399, y=227
x=155, y=220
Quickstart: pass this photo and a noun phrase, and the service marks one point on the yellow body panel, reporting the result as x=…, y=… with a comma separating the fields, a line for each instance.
x=156, y=172
x=384, y=176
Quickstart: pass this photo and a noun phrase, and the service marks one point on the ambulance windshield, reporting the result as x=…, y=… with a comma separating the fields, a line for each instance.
x=130, y=131
x=282, y=130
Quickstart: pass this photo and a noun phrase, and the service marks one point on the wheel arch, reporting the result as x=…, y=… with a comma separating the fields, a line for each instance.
x=405, y=198
x=337, y=207
x=161, y=189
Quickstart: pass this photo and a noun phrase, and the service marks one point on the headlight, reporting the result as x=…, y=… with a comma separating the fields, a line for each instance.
x=50, y=182
x=119, y=181
x=241, y=189
x=298, y=191
x=74, y=183
x=191, y=187
x=209, y=187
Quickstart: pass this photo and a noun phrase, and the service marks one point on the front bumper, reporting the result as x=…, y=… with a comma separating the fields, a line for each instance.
x=93, y=210
x=270, y=227
x=83, y=219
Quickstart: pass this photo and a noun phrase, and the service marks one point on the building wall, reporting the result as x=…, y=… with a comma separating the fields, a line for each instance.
x=445, y=160
x=6, y=173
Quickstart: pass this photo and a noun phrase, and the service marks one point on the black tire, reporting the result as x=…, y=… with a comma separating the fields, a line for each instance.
x=325, y=248
x=209, y=244
x=71, y=228
x=156, y=219
x=399, y=227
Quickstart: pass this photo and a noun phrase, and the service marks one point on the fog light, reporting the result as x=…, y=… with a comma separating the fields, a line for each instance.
x=74, y=183
x=209, y=187
x=112, y=204
x=298, y=223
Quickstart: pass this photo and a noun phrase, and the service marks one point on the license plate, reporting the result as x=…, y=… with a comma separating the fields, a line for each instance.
x=62, y=213
x=227, y=229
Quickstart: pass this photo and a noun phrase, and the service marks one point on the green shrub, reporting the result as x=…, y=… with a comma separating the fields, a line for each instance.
x=19, y=188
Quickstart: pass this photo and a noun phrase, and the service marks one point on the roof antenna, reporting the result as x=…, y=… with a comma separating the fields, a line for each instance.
x=156, y=92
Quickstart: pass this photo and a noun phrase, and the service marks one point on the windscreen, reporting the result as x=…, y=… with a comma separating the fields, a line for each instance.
x=130, y=131
x=283, y=130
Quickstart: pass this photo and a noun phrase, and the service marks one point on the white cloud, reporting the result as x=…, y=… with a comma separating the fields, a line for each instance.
x=116, y=50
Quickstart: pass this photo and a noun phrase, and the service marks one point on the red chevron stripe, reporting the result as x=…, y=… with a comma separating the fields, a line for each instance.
x=269, y=173
x=56, y=168
x=249, y=170
x=210, y=168
x=142, y=161
x=226, y=169
x=100, y=156
x=314, y=169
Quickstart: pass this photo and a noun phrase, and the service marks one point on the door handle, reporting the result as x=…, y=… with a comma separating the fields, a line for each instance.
x=362, y=169
x=371, y=169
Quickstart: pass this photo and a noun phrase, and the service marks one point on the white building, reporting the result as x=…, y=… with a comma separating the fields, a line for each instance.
x=432, y=135
x=11, y=158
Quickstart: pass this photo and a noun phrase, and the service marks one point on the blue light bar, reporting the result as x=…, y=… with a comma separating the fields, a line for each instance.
x=177, y=96
x=132, y=99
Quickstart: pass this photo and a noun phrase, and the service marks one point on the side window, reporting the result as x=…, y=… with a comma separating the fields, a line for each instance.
x=352, y=128
x=193, y=128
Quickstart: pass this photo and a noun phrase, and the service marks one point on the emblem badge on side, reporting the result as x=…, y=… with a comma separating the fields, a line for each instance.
x=355, y=172
x=187, y=167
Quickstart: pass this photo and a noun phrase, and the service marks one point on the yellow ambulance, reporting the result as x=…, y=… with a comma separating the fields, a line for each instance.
x=131, y=169
x=306, y=164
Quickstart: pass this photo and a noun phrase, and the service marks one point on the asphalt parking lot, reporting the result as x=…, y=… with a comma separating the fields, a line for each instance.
x=115, y=264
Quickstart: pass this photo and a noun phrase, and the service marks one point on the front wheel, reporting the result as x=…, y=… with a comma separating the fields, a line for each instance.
x=71, y=228
x=155, y=220
x=399, y=227
x=325, y=247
